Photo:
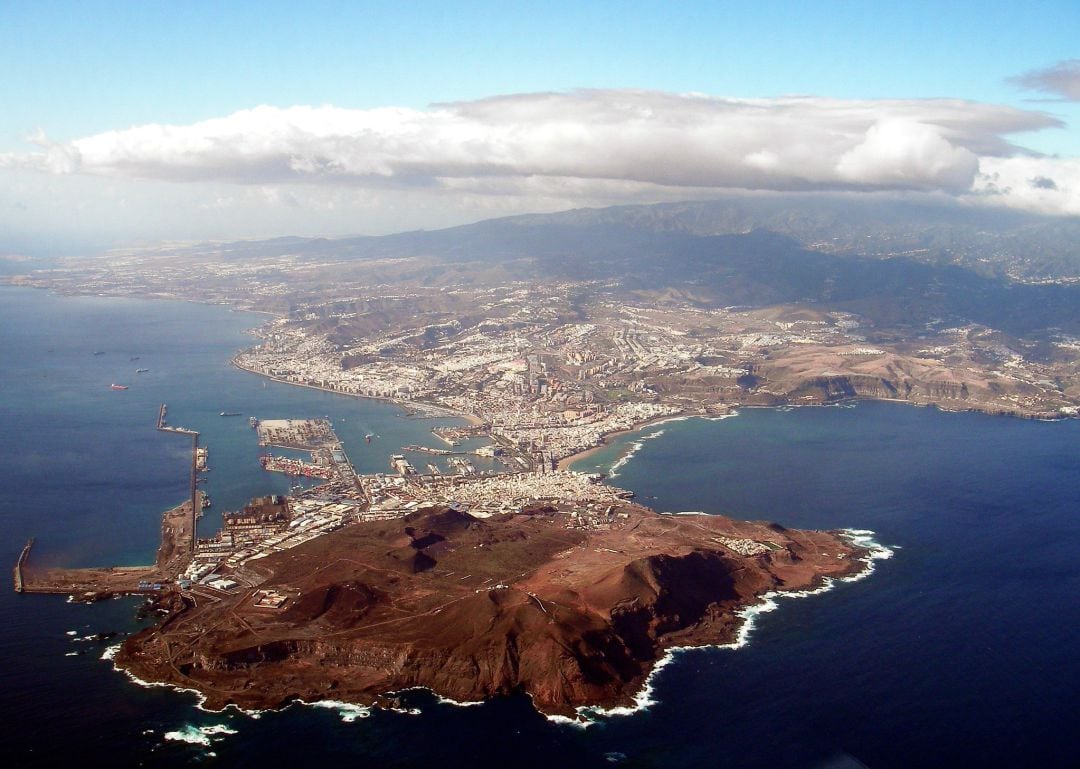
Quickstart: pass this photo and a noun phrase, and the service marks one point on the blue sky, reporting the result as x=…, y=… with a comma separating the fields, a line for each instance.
x=76, y=70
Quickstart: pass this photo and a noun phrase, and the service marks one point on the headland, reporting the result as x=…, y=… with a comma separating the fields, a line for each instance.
x=570, y=602
x=471, y=584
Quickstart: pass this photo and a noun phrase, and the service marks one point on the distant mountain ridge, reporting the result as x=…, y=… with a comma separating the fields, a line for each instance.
x=943, y=231
x=898, y=263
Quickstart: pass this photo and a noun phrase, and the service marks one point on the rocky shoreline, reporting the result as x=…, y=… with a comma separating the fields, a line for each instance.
x=472, y=608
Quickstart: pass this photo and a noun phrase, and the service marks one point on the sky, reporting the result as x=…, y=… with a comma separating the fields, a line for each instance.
x=126, y=122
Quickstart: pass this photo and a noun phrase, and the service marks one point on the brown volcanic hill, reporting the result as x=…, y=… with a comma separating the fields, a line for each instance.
x=473, y=608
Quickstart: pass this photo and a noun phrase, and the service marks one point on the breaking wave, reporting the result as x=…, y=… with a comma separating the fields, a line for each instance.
x=648, y=433
x=644, y=699
x=203, y=736
x=348, y=712
x=635, y=447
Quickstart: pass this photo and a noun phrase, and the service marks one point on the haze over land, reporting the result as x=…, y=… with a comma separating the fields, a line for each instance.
x=694, y=305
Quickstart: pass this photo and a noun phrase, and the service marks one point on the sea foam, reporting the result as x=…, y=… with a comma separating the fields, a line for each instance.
x=110, y=654
x=649, y=432
x=348, y=712
x=200, y=735
x=635, y=447
x=644, y=699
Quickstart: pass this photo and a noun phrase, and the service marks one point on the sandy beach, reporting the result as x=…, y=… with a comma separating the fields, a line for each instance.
x=606, y=438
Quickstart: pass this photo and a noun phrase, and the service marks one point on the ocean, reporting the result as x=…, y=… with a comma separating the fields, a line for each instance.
x=960, y=650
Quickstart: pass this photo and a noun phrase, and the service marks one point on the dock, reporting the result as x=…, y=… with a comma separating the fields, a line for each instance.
x=296, y=467
x=165, y=427
x=429, y=450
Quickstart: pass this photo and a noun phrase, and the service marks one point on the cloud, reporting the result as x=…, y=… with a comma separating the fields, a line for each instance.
x=1062, y=79
x=627, y=143
x=903, y=152
x=1036, y=184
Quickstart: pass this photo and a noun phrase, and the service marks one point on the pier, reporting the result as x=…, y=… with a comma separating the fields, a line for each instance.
x=165, y=427
x=429, y=450
x=296, y=467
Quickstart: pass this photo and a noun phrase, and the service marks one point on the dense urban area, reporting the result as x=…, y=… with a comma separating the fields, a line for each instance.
x=545, y=355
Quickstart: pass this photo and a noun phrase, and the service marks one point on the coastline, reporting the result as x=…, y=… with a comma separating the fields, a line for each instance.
x=855, y=637
x=411, y=408
x=643, y=699
x=607, y=438
x=584, y=716
x=235, y=306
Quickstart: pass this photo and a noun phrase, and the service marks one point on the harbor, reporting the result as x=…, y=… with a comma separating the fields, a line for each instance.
x=178, y=537
x=97, y=583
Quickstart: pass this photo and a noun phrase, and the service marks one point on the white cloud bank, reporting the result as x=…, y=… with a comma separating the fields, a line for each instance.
x=585, y=145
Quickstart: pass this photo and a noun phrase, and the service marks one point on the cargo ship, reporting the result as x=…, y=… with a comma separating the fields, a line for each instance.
x=118, y=387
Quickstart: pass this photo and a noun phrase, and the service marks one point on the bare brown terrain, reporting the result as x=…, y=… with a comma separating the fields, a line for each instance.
x=472, y=608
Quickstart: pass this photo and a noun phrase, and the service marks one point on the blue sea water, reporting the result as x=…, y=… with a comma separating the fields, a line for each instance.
x=959, y=651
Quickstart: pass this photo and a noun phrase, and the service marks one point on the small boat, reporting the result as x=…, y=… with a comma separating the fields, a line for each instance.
x=229, y=414
x=141, y=370
x=99, y=352
x=118, y=387
x=134, y=359
x=368, y=437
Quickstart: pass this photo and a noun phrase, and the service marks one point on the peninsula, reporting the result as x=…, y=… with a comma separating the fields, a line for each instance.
x=496, y=569
x=469, y=583
x=569, y=602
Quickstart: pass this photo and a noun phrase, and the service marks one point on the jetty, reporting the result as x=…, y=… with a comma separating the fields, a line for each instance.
x=23, y=556
x=429, y=450
x=98, y=582
x=178, y=538
x=165, y=427
x=198, y=463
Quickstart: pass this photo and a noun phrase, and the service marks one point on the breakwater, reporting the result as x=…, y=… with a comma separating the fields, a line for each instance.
x=18, y=570
x=178, y=537
x=195, y=498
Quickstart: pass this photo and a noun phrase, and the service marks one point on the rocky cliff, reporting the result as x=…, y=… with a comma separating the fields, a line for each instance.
x=572, y=616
